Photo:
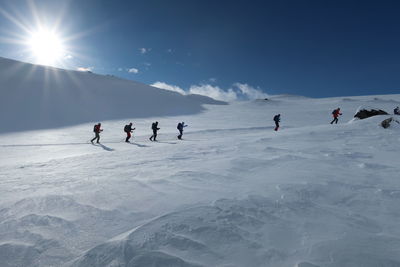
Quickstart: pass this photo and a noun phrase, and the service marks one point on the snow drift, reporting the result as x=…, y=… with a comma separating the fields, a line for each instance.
x=37, y=97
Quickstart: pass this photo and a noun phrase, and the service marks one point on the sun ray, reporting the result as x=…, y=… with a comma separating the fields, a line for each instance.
x=15, y=20
x=35, y=14
x=61, y=16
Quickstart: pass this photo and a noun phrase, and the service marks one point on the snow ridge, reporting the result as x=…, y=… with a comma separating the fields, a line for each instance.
x=39, y=97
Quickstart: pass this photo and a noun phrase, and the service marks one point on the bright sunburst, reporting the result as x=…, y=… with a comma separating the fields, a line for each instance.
x=46, y=47
x=41, y=37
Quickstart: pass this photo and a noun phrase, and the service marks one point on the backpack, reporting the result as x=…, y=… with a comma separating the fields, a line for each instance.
x=334, y=111
x=95, y=128
x=126, y=128
x=179, y=126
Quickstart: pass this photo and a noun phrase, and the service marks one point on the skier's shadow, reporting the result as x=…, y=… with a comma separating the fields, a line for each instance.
x=165, y=142
x=104, y=147
x=139, y=145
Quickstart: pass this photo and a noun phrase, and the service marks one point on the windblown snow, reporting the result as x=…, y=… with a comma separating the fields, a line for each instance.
x=233, y=192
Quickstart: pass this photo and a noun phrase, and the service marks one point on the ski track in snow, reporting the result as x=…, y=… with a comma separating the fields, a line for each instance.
x=232, y=193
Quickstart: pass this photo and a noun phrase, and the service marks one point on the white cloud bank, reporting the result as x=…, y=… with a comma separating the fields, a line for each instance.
x=250, y=92
x=214, y=92
x=165, y=86
x=238, y=91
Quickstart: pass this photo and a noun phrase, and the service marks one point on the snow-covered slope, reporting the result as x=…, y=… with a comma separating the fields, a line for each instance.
x=232, y=193
x=38, y=97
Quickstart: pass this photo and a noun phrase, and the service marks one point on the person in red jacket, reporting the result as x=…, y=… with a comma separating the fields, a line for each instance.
x=336, y=113
x=128, y=130
x=97, y=130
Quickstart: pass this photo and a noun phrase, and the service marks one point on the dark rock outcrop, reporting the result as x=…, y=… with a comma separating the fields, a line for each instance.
x=365, y=113
x=386, y=123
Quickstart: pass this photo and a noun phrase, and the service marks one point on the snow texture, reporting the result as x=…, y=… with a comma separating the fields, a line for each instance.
x=233, y=192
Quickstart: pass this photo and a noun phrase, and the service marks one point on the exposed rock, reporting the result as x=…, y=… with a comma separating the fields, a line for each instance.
x=386, y=123
x=364, y=113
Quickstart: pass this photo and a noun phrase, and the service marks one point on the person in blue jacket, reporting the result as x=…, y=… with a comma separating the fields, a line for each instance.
x=277, y=119
x=180, y=127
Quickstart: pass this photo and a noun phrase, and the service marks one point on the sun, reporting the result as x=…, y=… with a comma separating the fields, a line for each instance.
x=46, y=47
x=43, y=38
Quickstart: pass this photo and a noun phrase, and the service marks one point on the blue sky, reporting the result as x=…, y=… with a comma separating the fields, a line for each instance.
x=312, y=48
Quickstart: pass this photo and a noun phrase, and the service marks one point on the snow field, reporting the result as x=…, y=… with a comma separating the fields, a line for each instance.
x=232, y=193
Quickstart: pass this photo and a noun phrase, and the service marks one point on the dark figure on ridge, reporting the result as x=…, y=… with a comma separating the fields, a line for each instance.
x=180, y=127
x=155, y=128
x=128, y=130
x=336, y=113
x=96, y=130
x=277, y=119
x=396, y=111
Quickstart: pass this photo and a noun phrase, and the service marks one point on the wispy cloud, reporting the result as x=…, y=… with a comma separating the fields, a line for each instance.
x=214, y=92
x=169, y=87
x=85, y=69
x=133, y=70
x=238, y=91
x=68, y=57
x=250, y=92
x=144, y=50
